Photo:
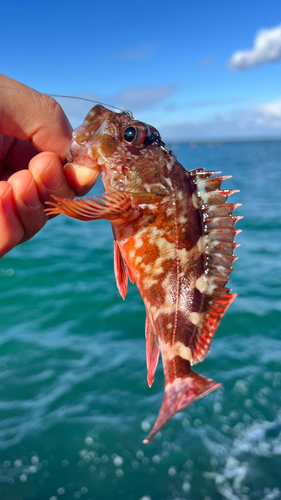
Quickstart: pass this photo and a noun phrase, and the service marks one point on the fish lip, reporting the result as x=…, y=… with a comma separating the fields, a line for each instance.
x=69, y=156
x=94, y=123
x=90, y=131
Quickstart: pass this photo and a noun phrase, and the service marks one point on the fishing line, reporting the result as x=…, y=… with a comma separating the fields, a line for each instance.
x=64, y=96
x=85, y=99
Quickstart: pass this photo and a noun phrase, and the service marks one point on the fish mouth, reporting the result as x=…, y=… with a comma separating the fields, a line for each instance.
x=93, y=125
x=90, y=132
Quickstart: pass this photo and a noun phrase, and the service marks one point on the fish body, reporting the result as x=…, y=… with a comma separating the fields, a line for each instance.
x=173, y=236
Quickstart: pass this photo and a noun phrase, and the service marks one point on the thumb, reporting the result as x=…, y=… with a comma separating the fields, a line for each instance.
x=81, y=178
x=29, y=115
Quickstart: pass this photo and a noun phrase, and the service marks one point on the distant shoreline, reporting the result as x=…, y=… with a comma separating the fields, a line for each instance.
x=222, y=141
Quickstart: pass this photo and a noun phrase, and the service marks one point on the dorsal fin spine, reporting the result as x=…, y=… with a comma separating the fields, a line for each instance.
x=218, y=225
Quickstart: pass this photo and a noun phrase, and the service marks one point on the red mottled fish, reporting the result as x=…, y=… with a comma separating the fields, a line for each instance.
x=174, y=237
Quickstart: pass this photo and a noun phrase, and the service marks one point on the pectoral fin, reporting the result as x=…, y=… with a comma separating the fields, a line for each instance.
x=113, y=205
x=152, y=352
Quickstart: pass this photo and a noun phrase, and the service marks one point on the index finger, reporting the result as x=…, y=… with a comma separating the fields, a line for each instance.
x=29, y=115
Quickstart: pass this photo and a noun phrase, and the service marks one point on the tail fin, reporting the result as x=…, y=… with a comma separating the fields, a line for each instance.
x=179, y=394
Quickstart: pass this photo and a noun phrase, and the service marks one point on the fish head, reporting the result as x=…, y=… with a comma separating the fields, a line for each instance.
x=129, y=153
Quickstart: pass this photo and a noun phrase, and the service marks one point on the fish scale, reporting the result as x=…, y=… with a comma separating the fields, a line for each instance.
x=174, y=237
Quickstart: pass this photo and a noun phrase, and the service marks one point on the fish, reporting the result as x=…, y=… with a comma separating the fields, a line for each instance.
x=173, y=236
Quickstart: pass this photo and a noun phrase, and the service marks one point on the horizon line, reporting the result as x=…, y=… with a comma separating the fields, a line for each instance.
x=224, y=140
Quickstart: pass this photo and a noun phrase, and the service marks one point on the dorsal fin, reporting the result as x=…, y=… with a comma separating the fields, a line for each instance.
x=218, y=226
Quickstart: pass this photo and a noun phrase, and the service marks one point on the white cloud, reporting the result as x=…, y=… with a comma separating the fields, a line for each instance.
x=261, y=121
x=139, y=52
x=272, y=110
x=206, y=62
x=269, y=115
x=267, y=49
x=206, y=103
x=141, y=98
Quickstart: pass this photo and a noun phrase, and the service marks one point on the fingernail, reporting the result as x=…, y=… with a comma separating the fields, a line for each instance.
x=8, y=202
x=52, y=177
x=30, y=198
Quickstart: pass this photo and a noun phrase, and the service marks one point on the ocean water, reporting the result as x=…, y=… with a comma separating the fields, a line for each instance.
x=74, y=401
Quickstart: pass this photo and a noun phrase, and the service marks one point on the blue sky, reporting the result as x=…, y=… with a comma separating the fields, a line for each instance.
x=171, y=62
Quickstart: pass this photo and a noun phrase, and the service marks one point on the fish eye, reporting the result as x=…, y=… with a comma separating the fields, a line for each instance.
x=139, y=134
x=136, y=134
x=130, y=134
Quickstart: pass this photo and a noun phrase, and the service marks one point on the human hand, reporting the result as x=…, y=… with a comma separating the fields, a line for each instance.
x=30, y=123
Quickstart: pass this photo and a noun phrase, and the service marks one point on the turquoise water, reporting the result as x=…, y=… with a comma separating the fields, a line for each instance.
x=74, y=402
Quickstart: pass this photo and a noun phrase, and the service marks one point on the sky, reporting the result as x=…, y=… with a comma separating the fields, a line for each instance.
x=196, y=70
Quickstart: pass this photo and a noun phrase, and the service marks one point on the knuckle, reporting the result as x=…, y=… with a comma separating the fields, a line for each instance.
x=53, y=108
